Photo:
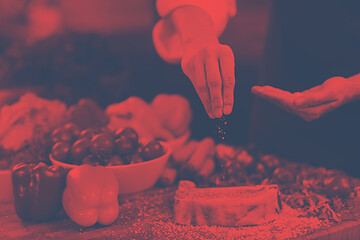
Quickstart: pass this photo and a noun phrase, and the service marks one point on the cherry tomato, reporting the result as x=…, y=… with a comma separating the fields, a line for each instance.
x=73, y=129
x=246, y=158
x=80, y=149
x=61, y=152
x=129, y=133
x=124, y=146
x=261, y=169
x=88, y=133
x=152, y=150
x=270, y=161
x=102, y=145
x=222, y=163
x=91, y=132
x=140, y=148
x=283, y=175
x=91, y=160
x=115, y=160
x=214, y=180
x=61, y=135
x=237, y=171
x=339, y=186
x=135, y=158
x=106, y=131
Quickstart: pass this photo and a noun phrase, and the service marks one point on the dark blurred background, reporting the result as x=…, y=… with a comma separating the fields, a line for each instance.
x=103, y=50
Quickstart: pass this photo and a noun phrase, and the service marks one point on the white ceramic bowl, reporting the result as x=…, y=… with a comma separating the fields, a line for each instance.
x=134, y=177
x=6, y=194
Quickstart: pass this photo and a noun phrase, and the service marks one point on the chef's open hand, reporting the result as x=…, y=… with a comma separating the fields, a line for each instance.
x=210, y=67
x=312, y=103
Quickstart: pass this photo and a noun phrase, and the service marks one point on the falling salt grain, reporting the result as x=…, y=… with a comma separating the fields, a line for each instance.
x=221, y=132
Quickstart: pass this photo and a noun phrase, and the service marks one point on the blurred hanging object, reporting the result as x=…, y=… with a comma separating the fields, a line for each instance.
x=107, y=17
x=34, y=20
x=43, y=21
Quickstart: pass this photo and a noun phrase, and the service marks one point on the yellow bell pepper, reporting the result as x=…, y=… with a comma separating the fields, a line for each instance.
x=174, y=112
x=91, y=196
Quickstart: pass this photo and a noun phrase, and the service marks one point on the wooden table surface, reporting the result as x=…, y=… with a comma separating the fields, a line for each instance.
x=146, y=215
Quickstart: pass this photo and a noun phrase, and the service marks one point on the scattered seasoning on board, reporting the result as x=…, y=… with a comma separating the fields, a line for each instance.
x=221, y=128
x=149, y=216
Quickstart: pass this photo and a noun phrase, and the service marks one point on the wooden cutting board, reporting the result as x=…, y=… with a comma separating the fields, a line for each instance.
x=148, y=215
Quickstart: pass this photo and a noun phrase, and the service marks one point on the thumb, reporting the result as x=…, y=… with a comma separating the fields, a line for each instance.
x=312, y=100
x=302, y=102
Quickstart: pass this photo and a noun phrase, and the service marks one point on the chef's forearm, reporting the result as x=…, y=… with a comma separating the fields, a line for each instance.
x=193, y=24
x=189, y=24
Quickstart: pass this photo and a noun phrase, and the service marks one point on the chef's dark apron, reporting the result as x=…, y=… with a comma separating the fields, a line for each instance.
x=309, y=42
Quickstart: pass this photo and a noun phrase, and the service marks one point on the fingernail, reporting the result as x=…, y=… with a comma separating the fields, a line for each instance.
x=218, y=112
x=227, y=109
x=257, y=91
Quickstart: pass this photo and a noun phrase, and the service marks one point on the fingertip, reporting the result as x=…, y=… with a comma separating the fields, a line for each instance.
x=256, y=89
x=218, y=112
x=227, y=109
x=210, y=115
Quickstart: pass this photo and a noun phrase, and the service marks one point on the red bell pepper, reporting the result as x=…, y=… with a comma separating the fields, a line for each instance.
x=37, y=190
x=91, y=195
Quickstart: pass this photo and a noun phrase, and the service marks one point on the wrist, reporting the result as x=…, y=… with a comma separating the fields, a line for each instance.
x=199, y=41
x=354, y=87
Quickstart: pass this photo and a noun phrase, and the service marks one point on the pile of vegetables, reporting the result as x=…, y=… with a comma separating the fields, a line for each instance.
x=87, y=136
